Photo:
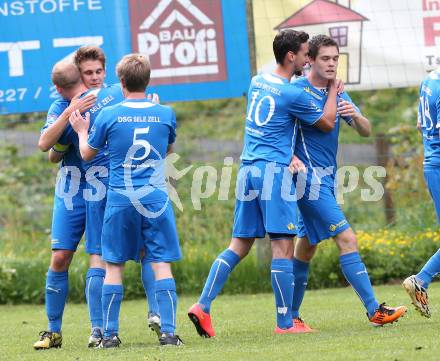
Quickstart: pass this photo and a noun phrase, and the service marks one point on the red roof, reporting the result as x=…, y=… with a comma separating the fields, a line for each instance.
x=321, y=12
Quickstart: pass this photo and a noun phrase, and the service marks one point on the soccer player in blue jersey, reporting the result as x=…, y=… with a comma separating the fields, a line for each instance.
x=90, y=61
x=320, y=215
x=68, y=222
x=429, y=123
x=264, y=202
x=138, y=213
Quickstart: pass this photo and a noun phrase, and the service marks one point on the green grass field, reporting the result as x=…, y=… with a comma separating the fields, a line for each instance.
x=244, y=326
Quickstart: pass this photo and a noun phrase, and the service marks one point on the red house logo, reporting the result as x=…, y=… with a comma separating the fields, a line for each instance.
x=183, y=38
x=340, y=22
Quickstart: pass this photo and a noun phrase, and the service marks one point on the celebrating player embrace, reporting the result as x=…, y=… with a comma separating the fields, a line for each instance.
x=138, y=213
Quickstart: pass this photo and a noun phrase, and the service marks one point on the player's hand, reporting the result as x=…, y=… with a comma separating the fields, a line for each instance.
x=297, y=166
x=332, y=85
x=154, y=98
x=346, y=109
x=82, y=104
x=340, y=86
x=78, y=123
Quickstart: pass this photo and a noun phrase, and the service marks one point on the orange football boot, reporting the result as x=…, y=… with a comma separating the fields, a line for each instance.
x=201, y=320
x=301, y=326
x=385, y=314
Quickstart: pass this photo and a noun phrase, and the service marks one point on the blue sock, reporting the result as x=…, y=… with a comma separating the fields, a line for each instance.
x=219, y=273
x=94, y=281
x=148, y=281
x=301, y=275
x=167, y=300
x=356, y=274
x=57, y=288
x=112, y=296
x=430, y=270
x=282, y=285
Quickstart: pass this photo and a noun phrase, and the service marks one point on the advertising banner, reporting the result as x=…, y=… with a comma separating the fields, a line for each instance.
x=198, y=49
x=383, y=43
x=34, y=35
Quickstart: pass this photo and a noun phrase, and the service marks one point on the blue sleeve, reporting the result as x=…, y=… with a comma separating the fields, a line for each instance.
x=172, y=136
x=305, y=108
x=98, y=132
x=347, y=98
x=65, y=138
x=437, y=108
x=55, y=110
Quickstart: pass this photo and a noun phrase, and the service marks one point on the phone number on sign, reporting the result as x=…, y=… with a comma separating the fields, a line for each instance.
x=20, y=94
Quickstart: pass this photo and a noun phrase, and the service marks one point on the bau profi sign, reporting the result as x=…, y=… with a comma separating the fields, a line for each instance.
x=197, y=48
x=35, y=34
x=184, y=40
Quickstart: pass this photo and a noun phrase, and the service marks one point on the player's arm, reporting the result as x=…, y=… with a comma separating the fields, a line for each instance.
x=49, y=137
x=327, y=121
x=348, y=110
x=81, y=127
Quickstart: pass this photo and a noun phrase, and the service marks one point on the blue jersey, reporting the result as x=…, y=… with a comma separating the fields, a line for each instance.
x=274, y=105
x=72, y=156
x=315, y=148
x=108, y=96
x=138, y=133
x=429, y=117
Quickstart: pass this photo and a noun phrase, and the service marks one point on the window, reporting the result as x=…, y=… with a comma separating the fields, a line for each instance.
x=339, y=34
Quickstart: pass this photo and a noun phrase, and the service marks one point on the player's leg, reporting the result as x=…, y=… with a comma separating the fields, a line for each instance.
x=67, y=230
x=167, y=301
x=93, y=290
x=430, y=270
x=221, y=268
x=279, y=214
x=57, y=289
x=248, y=225
x=148, y=281
x=112, y=295
x=96, y=272
x=356, y=274
x=121, y=239
x=282, y=280
x=161, y=244
x=303, y=254
x=417, y=285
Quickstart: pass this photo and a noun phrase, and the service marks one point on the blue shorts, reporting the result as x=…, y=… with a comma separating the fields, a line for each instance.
x=94, y=221
x=262, y=205
x=432, y=178
x=320, y=218
x=126, y=232
x=68, y=225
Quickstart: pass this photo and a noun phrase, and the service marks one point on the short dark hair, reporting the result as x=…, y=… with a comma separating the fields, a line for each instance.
x=288, y=40
x=89, y=52
x=317, y=42
x=133, y=71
